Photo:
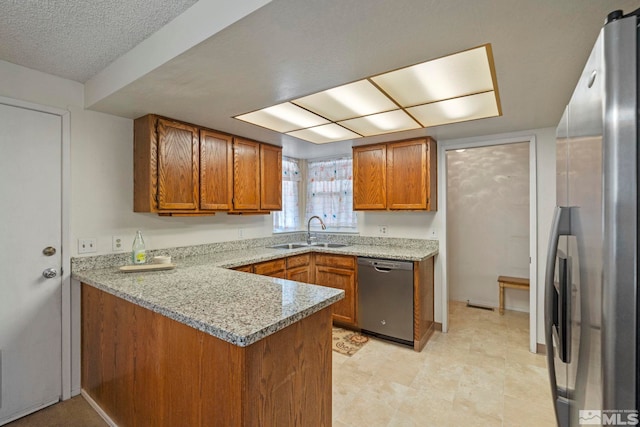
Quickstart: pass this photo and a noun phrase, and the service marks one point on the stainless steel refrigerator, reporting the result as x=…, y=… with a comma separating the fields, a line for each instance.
x=591, y=297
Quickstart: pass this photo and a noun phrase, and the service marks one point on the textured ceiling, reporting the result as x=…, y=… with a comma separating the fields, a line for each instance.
x=75, y=39
x=291, y=48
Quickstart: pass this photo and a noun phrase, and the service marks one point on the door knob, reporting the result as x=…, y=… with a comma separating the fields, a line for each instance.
x=50, y=273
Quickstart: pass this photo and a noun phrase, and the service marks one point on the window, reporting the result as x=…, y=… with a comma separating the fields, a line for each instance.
x=288, y=219
x=328, y=187
x=330, y=193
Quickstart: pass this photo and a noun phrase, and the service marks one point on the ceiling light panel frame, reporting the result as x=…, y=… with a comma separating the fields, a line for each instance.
x=450, y=89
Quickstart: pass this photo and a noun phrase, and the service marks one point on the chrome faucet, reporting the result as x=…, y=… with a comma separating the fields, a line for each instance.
x=324, y=227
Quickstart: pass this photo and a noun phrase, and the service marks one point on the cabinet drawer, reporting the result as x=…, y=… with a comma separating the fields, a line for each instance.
x=245, y=268
x=298, y=260
x=269, y=267
x=339, y=261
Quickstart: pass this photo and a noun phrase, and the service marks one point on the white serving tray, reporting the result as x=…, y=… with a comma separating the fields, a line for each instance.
x=146, y=267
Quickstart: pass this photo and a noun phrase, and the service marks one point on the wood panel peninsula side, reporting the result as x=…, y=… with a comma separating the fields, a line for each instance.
x=145, y=368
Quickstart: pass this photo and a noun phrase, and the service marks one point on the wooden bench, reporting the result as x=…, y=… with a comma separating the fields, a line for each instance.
x=510, y=282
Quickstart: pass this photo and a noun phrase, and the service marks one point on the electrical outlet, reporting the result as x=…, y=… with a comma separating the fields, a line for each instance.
x=117, y=244
x=433, y=234
x=87, y=245
x=240, y=233
x=383, y=229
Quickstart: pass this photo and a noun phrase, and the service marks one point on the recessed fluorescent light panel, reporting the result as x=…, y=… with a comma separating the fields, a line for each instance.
x=455, y=110
x=462, y=74
x=356, y=99
x=377, y=124
x=283, y=118
x=451, y=89
x=324, y=133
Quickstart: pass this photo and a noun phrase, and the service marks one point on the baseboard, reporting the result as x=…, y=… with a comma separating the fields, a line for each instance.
x=437, y=326
x=98, y=409
x=541, y=348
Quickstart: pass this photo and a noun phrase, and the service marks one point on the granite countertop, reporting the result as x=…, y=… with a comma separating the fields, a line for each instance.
x=240, y=308
x=235, y=259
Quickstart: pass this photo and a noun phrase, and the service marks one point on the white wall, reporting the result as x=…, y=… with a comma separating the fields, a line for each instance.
x=409, y=225
x=488, y=222
x=546, y=198
x=102, y=174
x=102, y=194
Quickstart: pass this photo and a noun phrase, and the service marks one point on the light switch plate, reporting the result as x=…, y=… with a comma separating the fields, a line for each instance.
x=87, y=245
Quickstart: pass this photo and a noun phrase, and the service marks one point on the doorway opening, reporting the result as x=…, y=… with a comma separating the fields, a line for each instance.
x=490, y=225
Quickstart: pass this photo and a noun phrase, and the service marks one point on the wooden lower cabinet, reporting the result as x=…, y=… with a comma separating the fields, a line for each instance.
x=299, y=274
x=339, y=271
x=144, y=369
x=244, y=268
x=334, y=271
x=273, y=268
x=299, y=268
x=423, y=300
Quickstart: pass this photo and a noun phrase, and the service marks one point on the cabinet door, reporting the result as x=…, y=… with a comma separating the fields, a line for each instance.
x=246, y=174
x=432, y=175
x=369, y=177
x=216, y=170
x=407, y=175
x=344, y=310
x=177, y=165
x=299, y=274
x=270, y=177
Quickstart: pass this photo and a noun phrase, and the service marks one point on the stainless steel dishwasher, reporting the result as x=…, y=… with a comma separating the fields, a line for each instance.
x=385, y=298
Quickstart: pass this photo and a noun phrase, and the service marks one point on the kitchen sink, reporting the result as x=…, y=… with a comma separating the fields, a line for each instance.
x=306, y=245
x=289, y=246
x=329, y=245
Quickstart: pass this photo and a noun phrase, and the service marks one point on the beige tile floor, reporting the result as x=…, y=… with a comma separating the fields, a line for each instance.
x=75, y=412
x=479, y=374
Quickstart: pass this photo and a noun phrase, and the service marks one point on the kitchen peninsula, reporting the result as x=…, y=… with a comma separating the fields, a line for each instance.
x=205, y=345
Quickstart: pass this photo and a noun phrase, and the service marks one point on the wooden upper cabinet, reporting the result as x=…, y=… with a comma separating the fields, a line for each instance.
x=432, y=174
x=187, y=170
x=369, y=177
x=406, y=173
x=246, y=175
x=270, y=177
x=178, y=165
x=216, y=170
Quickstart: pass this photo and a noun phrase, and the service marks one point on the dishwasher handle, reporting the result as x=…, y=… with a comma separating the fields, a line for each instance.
x=385, y=265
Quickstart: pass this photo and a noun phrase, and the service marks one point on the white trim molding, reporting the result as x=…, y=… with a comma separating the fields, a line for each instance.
x=533, y=220
x=65, y=226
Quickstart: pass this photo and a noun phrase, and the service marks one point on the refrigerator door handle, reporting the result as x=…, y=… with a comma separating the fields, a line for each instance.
x=561, y=226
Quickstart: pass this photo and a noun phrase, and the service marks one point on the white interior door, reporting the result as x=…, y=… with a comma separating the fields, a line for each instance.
x=30, y=221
